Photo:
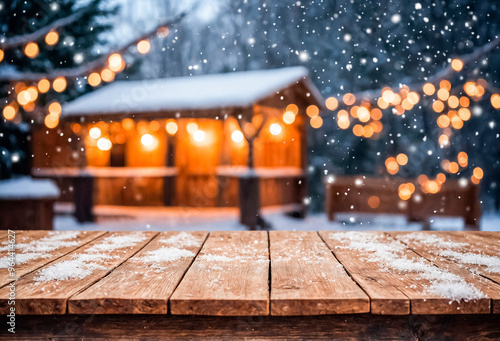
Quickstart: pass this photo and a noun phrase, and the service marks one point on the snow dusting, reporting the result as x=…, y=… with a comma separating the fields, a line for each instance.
x=85, y=263
x=393, y=257
x=39, y=248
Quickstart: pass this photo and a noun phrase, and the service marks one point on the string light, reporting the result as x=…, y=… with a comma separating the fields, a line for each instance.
x=316, y=122
x=43, y=86
x=349, y=99
x=293, y=108
x=107, y=75
x=94, y=79
x=9, y=112
x=331, y=103
x=312, y=111
x=2, y=54
x=288, y=117
x=143, y=46
x=51, y=121
x=402, y=159
x=429, y=89
x=116, y=62
x=373, y=201
x=31, y=50
x=495, y=101
x=191, y=127
x=95, y=132
x=59, y=84
x=147, y=140
x=56, y=109
x=457, y=64
x=52, y=38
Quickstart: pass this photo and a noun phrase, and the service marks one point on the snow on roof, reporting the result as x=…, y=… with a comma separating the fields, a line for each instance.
x=235, y=89
x=28, y=188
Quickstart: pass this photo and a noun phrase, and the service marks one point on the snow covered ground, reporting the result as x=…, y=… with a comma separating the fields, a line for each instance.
x=115, y=218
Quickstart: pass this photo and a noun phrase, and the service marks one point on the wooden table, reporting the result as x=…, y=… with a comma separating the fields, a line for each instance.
x=254, y=284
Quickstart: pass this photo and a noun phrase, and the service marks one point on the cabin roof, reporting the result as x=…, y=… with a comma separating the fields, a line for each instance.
x=214, y=91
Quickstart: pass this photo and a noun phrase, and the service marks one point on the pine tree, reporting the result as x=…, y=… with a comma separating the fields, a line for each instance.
x=77, y=44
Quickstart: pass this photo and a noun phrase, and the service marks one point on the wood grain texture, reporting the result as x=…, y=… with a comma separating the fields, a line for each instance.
x=229, y=277
x=139, y=286
x=306, y=279
x=456, y=258
x=324, y=327
x=385, y=298
x=35, y=296
x=39, y=241
x=410, y=282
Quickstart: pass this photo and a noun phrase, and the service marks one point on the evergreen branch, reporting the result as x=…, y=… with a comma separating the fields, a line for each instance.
x=95, y=64
x=42, y=32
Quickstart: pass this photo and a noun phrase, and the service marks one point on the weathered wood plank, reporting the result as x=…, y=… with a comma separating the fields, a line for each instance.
x=145, y=282
x=431, y=290
x=324, y=327
x=35, y=249
x=306, y=279
x=385, y=298
x=229, y=277
x=486, y=237
x=462, y=255
x=47, y=290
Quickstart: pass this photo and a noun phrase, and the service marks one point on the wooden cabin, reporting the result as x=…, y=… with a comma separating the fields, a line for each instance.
x=183, y=141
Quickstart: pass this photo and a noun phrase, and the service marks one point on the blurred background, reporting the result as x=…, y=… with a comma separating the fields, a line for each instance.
x=426, y=73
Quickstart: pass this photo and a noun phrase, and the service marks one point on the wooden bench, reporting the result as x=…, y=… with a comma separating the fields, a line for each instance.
x=26, y=203
x=254, y=284
x=352, y=194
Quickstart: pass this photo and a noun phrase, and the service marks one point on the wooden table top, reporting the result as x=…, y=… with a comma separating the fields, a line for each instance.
x=248, y=273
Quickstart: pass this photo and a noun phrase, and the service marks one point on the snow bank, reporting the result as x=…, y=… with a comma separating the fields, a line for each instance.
x=27, y=188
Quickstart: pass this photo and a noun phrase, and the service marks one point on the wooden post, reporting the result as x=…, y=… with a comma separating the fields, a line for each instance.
x=169, y=181
x=83, y=190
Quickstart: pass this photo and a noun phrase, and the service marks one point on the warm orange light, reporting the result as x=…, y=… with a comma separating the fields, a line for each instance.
x=199, y=136
x=154, y=125
x=456, y=122
x=457, y=64
x=388, y=95
x=443, y=94
x=59, y=84
x=51, y=121
x=191, y=127
x=23, y=97
x=288, y=117
x=376, y=114
x=116, y=62
x=52, y=38
x=438, y=106
x=443, y=121
x=128, y=124
x=316, y=122
x=429, y=89
x=363, y=114
x=382, y=104
x=463, y=159
x=441, y=178
x=444, y=140
x=55, y=108
x=43, y=86
x=470, y=88
x=162, y=32
x=413, y=98
x=1, y=55
x=331, y=103
x=392, y=165
x=422, y=178
x=293, y=108
x=358, y=130
x=275, y=129
x=453, y=167
x=312, y=111
x=444, y=84
x=373, y=202
x=33, y=93
x=107, y=75
x=402, y=159
x=148, y=140
x=475, y=180
x=453, y=102
x=31, y=50
x=104, y=144
x=94, y=79
x=464, y=114
x=143, y=46
x=343, y=120
x=432, y=186
x=464, y=101
x=9, y=112
x=495, y=101
x=349, y=99
x=404, y=192
x=171, y=127
x=478, y=173
x=237, y=136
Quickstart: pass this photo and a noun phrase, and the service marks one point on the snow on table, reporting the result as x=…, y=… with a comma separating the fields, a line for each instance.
x=230, y=273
